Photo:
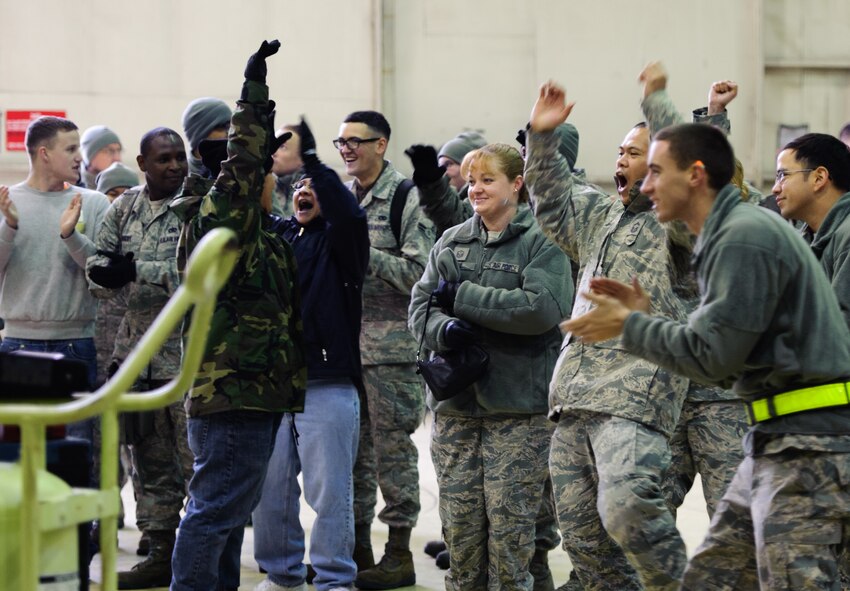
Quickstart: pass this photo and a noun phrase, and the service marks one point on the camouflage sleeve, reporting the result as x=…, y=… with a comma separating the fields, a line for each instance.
x=442, y=205
x=417, y=237
x=108, y=239
x=159, y=273
x=531, y=309
x=234, y=200
x=569, y=212
x=660, y=112
x=718, y=120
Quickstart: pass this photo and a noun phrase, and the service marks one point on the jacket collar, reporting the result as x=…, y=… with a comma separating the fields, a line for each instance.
x=727, y=199
x=834, y=218
x=521, y=222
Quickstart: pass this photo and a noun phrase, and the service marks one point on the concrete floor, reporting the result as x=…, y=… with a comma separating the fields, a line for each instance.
x=692, y=522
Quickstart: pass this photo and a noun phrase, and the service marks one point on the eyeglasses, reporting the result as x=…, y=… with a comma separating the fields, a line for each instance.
x=781, y=174
x=352, y=143
x=302, y=184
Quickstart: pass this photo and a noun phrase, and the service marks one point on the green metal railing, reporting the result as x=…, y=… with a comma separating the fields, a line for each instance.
x=209, y=267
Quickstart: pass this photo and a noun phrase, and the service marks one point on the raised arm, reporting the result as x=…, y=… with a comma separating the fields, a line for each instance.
x=569, y=211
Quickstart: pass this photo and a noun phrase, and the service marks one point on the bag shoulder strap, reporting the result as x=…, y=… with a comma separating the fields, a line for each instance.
x=424, y=326
x=397, y=207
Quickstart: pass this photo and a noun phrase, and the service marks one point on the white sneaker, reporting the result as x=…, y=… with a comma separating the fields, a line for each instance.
x=268, y=585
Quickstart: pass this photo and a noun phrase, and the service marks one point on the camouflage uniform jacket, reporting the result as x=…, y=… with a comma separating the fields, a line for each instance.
x=393, y=269
x=110, y=315
x=443, y=205
x=282, y=200
x=768, y=322
x=254, y=358
x=515, y=291
x=831, y=245
x=132, y=225
x=619, y=242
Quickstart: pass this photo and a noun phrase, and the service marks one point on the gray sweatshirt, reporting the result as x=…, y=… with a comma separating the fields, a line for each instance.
x=43, y=289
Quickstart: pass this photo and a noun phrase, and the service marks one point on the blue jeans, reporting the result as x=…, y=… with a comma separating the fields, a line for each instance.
x=325, y=451
x=232, y=451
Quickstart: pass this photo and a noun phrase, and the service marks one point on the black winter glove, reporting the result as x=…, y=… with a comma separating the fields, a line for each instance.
x=120, y=271
x=256, y=69
x=425, y=167
x=458, y=334
x=520, y=135
x=112, y=369
x=445, y=295
x=308, y=144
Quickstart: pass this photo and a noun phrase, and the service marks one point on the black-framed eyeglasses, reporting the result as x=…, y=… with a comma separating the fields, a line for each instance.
x=781, y=174
x=302, y=184
x=352, y=143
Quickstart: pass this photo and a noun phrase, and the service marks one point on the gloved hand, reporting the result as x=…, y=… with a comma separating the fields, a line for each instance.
x=520, y=136
x=308, y=143
x=120, y=271
x=256, y=69
x=425, y=167
x=445, y=295
x=458, y=334
x=112, y=369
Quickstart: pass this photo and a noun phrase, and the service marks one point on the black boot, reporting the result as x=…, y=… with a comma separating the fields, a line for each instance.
x=363, y=557
x=539, y=569
x=155, y=570
x=396, y=567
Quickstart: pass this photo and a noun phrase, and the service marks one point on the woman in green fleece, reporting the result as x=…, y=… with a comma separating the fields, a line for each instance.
x=498, y=282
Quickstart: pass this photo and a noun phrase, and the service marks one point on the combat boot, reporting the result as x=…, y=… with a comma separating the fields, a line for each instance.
x=363, y=557
x=155, y=570
x=573, y=584
x=539, y=569
x=395, y=568
x=144, y=545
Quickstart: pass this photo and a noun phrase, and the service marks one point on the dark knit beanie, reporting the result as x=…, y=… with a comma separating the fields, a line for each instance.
x=458, y=147
x=94, y=139
x=116, y=175
x=202, y=116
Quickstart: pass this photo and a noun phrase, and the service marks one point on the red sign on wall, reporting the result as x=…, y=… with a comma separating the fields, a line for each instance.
x=16, y=127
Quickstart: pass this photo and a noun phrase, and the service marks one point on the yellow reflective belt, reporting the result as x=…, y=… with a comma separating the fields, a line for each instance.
x=796, y=401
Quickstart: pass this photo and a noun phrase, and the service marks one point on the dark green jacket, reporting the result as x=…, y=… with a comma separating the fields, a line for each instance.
x=831, y=245
x=768, y=319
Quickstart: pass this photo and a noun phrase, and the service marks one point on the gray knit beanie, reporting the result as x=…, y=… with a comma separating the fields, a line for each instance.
x=569, y=143
x=459, y=146
x=116, y=175
x=95, y=139
x=202, y=116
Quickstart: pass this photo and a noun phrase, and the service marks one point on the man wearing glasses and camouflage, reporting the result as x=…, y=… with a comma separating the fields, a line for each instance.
x=394, y=402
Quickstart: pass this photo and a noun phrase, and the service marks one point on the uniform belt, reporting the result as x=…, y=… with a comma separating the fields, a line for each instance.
x=794, y=401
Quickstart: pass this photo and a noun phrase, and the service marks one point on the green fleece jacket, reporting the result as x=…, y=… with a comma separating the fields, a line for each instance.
x=514, y=291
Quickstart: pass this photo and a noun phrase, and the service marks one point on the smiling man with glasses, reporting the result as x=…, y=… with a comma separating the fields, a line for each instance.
x=394, y=402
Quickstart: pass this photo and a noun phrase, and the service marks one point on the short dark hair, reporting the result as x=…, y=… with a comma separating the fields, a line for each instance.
x=44, y=130
x=819, y=149
x=154, y=133
x=373, y=120
x=690, y=142
x=845, y=131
